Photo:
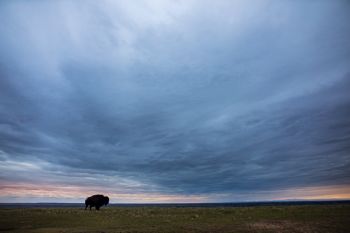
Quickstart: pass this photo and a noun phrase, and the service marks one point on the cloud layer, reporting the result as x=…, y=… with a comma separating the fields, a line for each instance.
x=186, y=98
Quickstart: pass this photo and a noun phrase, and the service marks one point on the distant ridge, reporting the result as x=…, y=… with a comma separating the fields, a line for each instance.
x=213, y=205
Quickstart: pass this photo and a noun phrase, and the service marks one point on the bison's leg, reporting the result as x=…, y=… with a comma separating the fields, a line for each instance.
x=90, y=207
x=86, y=206
x=97, y=207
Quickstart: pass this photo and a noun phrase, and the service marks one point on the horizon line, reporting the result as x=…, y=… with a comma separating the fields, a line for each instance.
x=190, y=203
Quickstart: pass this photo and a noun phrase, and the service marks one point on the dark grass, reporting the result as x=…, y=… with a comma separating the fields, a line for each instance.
x=333, y=217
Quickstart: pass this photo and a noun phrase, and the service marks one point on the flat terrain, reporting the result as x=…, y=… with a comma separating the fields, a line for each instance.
x=304, y=218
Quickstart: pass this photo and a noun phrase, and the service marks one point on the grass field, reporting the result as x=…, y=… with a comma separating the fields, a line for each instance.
x=306, y=218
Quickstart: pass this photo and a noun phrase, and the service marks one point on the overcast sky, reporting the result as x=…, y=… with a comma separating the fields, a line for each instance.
x=174, y=101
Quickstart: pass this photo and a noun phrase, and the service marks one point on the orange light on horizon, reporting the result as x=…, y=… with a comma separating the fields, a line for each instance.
x=66, y=192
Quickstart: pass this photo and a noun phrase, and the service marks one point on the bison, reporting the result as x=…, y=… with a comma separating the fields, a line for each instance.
x=96, y=201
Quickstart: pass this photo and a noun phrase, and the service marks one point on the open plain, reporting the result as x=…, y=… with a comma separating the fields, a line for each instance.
x=293, y=218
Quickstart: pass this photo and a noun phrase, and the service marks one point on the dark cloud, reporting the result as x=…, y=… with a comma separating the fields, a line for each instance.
x=191, y=99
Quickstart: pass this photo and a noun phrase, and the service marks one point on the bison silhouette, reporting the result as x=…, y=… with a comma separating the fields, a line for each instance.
x=96, y=201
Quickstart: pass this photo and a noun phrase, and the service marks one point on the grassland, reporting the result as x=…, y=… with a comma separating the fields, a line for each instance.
x=313, y=218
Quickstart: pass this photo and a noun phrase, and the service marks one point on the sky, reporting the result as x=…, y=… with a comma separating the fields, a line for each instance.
x=174, y=101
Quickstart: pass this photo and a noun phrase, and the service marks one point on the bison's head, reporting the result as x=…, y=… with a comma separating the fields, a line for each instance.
x=106, y=200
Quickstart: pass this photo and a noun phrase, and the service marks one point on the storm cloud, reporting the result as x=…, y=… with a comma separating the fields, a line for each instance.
x=186, y=98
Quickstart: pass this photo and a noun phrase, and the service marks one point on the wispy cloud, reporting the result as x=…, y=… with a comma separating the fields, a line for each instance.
x=175, y=99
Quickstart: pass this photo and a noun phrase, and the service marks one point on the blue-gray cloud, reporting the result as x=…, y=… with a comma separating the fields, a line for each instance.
x=184, y=97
